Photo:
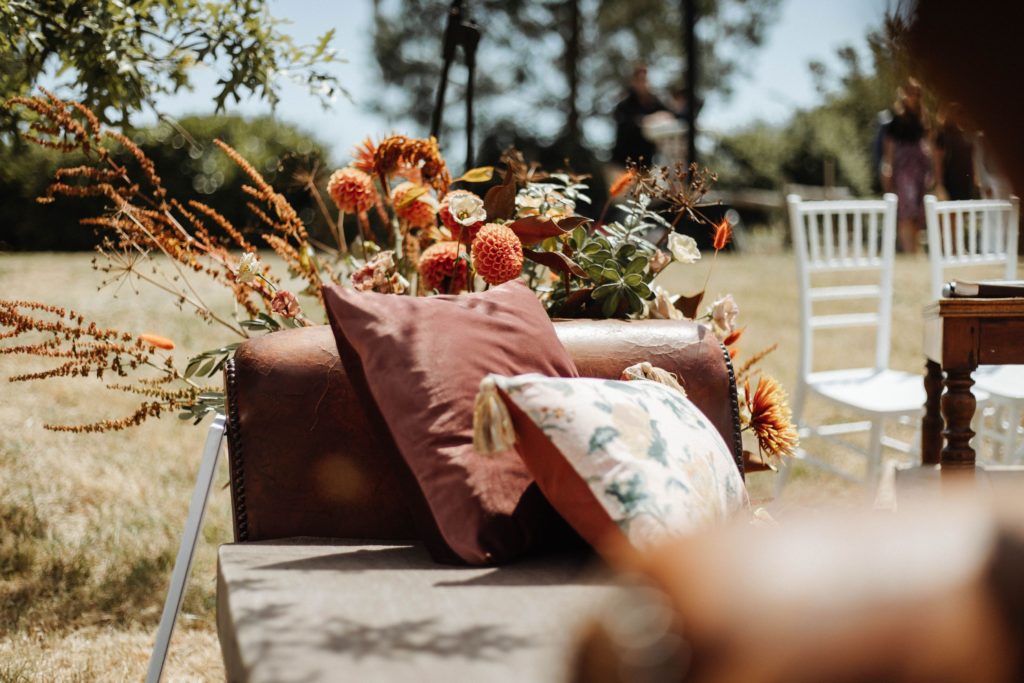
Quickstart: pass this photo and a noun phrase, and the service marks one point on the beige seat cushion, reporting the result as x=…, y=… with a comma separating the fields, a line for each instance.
x=317, y=610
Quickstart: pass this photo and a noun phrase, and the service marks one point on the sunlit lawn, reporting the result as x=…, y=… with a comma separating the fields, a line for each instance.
x=89, y=524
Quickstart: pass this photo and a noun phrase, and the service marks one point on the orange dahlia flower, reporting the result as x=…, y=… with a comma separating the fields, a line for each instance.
x=497, y=254
x=770, y=417
x=418, y=211
x=443, y=268
x=352, y=190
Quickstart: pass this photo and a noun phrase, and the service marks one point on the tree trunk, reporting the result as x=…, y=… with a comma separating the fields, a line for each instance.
x=572, y=65
x=691, y=50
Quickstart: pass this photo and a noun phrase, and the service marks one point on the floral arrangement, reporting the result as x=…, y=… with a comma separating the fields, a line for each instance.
x=400, y=224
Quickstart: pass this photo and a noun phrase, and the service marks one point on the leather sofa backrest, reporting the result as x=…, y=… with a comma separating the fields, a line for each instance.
x=304, y=462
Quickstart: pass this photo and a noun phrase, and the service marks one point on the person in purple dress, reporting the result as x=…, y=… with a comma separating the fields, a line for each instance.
x=906, y=163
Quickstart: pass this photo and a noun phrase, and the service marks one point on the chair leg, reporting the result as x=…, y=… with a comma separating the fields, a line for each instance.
x=1010, y=423
x=986, y=430
x=1016, y=449
x=796, y=403
x=874, y=464
x=782, y=478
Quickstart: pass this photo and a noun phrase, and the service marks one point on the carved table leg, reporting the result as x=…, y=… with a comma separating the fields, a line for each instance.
x=931, y=423
x=958, y=406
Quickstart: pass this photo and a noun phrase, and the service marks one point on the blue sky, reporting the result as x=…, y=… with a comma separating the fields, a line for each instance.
x=775, y=83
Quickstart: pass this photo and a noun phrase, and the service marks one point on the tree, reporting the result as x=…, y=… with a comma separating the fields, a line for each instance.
x=189, y=164
x=548, y=67
x=116, y=56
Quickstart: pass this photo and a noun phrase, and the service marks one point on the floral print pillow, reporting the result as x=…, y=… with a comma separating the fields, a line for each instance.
x=655, y=465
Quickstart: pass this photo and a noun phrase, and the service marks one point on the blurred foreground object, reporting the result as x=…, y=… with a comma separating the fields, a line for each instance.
x=928, y=594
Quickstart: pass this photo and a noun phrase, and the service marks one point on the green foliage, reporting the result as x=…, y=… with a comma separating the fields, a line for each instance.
x=190, y=167
x=616, y=278
x=116, y=56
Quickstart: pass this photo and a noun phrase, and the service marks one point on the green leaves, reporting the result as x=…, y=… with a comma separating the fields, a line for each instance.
x=205, y=403
x=262, y=323
x=209, y=363
x=616, y=276
x=125, y=53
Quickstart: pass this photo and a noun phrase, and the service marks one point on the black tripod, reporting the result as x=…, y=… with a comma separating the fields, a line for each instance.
x=460, y=31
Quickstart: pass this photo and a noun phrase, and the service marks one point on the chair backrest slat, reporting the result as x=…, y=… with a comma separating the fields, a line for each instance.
x=829, y=237
x=970, y=232
x=812, y=230
x=872, y=235
x=971, y=218
x=858, y=234
x=828, y=230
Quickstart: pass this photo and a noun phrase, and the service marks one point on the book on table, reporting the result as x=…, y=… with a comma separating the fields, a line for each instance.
x=984, y=289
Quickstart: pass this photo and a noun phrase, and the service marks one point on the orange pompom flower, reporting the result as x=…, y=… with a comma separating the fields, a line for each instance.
x=442, y=268
x=157, y=341
x=723, y=233
x=467, y=207
x=497, y=254
x=415, y=205
x=770, y=417
x=352, y=190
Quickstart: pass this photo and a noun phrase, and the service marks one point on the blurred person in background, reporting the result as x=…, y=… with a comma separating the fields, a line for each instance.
x=906, y=163
x=954, y=155
x=882, y=121
x=638, y=103
x=992, y=182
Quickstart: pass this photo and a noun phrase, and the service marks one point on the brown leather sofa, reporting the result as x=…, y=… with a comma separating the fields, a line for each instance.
x=361, y=600
x=303, y=462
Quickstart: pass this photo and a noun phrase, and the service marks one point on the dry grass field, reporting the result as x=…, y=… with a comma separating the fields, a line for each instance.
x=89, y=524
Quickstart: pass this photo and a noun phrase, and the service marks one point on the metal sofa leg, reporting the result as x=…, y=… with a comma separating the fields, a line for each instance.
x=187, y=549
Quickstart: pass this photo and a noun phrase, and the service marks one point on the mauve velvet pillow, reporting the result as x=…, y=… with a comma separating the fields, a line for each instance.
x=422, y=359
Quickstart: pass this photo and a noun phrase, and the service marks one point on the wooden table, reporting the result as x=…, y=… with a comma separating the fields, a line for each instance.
x=959, y=335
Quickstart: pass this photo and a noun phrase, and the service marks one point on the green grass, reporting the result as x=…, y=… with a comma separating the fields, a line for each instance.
x=89, y=524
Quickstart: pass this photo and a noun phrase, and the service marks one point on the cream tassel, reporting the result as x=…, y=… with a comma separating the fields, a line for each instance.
x=492, y=425
x=647, y=371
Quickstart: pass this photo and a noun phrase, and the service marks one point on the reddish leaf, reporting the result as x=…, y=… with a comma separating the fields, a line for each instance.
x=556, y=261
x=572, y=222
x=533, y=229
x=689, y=304
x=500, y=200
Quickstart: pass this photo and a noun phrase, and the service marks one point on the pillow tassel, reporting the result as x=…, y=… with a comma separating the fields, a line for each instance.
x=492, y=425
x=655, y=374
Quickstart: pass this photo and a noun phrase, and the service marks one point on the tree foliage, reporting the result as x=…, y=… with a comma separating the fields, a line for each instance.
x=116, y=56
x=527, y=57
x=188, y=163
